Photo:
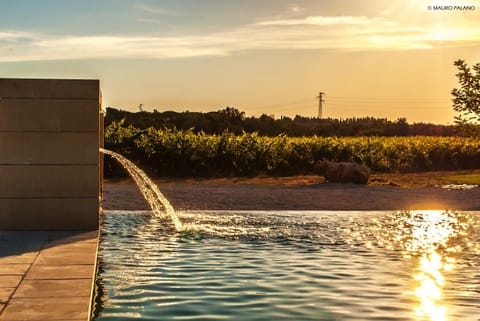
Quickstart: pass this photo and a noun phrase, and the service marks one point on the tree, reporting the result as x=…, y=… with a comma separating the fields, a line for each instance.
x=466, y=99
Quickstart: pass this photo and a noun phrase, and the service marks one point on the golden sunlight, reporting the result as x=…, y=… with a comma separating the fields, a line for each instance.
x=443, y=35
x=430, y=290
x=430, y=231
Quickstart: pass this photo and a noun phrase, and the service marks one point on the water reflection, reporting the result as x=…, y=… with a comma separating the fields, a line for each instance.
x=429, y=291
x=433, y=245
x=430, y=241
x=356, y=266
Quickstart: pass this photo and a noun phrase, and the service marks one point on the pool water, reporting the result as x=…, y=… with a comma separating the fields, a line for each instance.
x=416, y=265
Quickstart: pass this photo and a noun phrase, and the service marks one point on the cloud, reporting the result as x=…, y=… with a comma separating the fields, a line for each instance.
x=41, y=47
x=153, y=14
x=320, y=21
x=154, y=10
x=14, y=36
x=295, y=8
x=344, y=33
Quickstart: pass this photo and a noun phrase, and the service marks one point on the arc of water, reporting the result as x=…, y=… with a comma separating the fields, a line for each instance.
x=148, y=188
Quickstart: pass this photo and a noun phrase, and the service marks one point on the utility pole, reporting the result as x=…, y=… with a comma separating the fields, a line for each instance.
x=320, y=104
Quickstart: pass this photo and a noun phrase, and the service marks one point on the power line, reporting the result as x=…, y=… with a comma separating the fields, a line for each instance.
x=389, y=102
x=354, y=103
x=386, y=99
x=363, y=106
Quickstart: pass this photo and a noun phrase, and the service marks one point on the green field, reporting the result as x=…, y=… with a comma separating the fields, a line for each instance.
x=185, y=153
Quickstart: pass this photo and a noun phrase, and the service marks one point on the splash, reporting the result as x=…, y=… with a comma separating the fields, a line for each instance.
x=157, y=201
x=196, y=225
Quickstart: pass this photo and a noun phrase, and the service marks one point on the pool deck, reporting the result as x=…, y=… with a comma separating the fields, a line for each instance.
x=47, y=275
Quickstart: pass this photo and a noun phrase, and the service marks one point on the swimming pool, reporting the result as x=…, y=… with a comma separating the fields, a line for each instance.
x=304, y=265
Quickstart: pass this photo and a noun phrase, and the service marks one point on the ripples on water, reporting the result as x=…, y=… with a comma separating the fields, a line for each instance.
x=291, y=266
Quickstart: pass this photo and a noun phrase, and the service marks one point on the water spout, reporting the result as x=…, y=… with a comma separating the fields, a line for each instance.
x=157, y=201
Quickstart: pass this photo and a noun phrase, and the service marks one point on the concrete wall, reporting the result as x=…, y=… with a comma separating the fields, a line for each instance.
x=49, y=160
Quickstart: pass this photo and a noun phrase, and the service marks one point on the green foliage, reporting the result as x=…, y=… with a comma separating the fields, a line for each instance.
x=467, y=98
x=171, y=152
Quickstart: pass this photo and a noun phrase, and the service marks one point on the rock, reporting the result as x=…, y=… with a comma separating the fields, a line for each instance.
x=344, y=172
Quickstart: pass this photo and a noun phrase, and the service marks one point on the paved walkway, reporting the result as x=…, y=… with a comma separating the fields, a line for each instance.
x=47, y=275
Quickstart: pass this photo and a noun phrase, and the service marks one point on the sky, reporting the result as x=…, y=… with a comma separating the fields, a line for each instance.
x=379, y=58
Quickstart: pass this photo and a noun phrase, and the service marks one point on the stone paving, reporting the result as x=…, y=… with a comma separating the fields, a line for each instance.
x=47, y=275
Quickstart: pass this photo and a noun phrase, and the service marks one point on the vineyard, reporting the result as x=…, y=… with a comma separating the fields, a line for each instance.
x=171, y=152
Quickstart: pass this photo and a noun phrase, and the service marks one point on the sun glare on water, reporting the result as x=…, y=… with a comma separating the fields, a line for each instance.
x=431, y=230
x=429, y=292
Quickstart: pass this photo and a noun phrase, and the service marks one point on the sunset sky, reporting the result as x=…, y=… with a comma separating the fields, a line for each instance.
x=371, y=58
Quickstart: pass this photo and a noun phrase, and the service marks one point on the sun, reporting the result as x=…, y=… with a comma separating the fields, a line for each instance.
x=442, y=34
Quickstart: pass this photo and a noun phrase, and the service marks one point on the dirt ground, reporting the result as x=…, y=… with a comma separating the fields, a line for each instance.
x=384, y=192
